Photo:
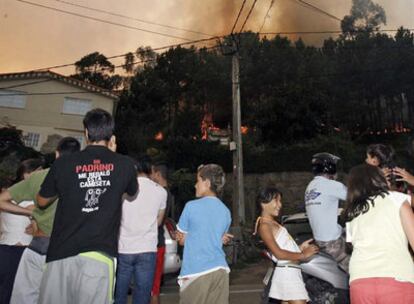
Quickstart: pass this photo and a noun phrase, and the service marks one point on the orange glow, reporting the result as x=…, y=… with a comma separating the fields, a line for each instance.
x=206, y=125
x=244, y=129
x=159, y=136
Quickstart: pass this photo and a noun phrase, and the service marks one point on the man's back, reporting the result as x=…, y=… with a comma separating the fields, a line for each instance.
x=89, y=185
x=322, y=200
x=138, y=232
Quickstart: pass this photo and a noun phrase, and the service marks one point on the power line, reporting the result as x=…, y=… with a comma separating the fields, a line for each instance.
x=219, y=37
x=51, y=93
x=24, y=84
x=132, y=18
x=248, y=15
x=149, y=60
x=102, y=20
x=122, y=55
x=351, y=73
x=317, y=9
x=267, y=15
x=323, y=32
x=238, y=16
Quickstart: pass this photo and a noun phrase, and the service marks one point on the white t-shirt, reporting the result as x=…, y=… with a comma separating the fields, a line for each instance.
x=12, y=227
x=139, y=228
x=380, y=245
x=322, y=201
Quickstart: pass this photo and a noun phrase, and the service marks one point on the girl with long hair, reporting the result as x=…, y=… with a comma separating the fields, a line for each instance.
x=287, y=283
x=380, y=227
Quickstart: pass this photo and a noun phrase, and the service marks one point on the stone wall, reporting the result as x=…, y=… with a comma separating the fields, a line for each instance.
x=292, y=185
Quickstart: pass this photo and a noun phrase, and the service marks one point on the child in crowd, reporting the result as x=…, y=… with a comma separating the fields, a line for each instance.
x=13, y=239
x=204, y=275
x=381, y=224
x=380, y=155
x=287, y=283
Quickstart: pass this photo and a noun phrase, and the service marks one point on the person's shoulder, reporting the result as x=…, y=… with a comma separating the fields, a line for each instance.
x=333, y=183
x=312, y=181
x=269, y=226
x=154, y=186
x=398, y=198
x=124, y=160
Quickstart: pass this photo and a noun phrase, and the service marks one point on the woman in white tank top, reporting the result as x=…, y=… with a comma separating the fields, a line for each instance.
x=287, y=283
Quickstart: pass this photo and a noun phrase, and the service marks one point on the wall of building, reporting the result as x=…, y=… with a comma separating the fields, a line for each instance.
x=43, y=113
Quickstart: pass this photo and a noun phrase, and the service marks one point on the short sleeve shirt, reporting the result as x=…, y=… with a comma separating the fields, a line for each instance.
x=89, y=185
x=204, y=221
x=322, y=198
x=26, y=190
x=139, y=227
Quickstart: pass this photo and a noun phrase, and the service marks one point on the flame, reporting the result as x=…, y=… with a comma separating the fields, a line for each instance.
x=159, y=136
x=244, y=129
x=206, y=124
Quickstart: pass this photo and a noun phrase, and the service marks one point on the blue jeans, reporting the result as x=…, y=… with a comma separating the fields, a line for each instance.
x=142, y=267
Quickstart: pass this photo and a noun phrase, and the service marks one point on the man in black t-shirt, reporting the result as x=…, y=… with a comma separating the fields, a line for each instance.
x=83, y=244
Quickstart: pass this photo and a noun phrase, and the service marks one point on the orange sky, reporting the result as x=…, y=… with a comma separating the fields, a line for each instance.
x=33, y=37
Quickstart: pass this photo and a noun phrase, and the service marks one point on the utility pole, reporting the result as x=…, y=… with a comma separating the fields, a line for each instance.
x=237, y=148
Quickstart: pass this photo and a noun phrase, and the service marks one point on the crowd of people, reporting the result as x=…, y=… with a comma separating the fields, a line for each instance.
x=91, y=226
x=375, y=246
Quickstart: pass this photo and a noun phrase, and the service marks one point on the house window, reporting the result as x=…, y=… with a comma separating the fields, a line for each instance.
x=31, y=139
x=11, y=99
x=76, y=106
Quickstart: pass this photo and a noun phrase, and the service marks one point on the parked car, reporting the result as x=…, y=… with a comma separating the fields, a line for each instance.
x=172, y=259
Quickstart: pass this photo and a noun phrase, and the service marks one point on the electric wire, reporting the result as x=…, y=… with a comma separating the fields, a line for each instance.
x=267, y=15
x=310, y=76
x=132, y=18
x=238, y=16
x=317, y=9
x=248, y=16
x=123, y=55
x=102, y=20
x=24, y=84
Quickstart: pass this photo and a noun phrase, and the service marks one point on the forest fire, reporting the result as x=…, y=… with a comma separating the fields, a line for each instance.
x=207, y=125
x=211, y=132
x=159, y=136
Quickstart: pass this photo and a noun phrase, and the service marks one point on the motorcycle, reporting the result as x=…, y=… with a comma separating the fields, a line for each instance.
x=325, y=282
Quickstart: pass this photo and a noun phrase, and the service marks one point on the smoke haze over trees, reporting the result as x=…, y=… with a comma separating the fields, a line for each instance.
x=358, y=84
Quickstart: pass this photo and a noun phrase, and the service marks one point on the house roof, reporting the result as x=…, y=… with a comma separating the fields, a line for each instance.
x=52, y=75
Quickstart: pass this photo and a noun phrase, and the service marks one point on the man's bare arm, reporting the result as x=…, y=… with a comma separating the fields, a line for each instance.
x=7, y=205
x=44, y=201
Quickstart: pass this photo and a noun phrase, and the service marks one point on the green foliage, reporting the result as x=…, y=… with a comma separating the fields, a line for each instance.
x=296, y=99
x=10, y=135
x=182, y=187
x=297, y=157
x=8, y=169
x=11, y=143
x=12, y=152
x=96, y=69
x=184, y=153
